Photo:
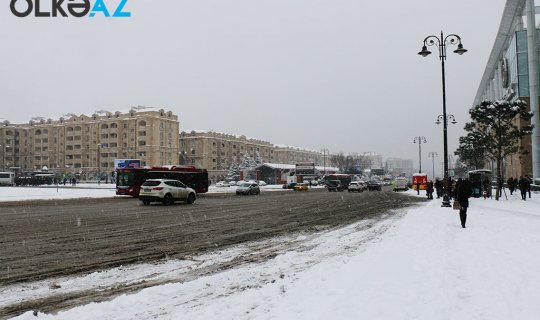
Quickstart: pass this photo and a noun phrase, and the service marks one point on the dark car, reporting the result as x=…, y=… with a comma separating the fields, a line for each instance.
x=334, y=185
x=374, y=186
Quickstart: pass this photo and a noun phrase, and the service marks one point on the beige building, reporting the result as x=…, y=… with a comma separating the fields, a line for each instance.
x=294, y=155
x=217, y=151
x=86, y=145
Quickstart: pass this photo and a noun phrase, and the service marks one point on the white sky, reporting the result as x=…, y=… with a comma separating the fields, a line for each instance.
x=345, y=71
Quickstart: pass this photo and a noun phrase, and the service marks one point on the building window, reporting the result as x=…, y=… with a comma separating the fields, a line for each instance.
x=142, y=143
x=104, y=126
x=142, y=123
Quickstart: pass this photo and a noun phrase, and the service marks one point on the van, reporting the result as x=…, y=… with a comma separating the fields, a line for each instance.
x=7, y=178
x=400, y=184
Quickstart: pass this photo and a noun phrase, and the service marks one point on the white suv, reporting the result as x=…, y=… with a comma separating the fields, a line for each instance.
x=357, y=186
x=167, y=191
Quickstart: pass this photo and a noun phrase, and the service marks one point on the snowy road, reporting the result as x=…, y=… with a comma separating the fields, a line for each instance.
x=423, y=266
x=42, y=244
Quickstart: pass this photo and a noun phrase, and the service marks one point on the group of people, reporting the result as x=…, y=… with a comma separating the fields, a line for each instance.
x=524, y=185
x=462, y=190
x=436, y=187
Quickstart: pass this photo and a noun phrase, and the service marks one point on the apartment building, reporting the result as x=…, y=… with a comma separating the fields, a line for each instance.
x=88, y=144
x=217, y=151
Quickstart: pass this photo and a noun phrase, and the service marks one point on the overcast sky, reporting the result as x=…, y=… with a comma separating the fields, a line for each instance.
x=338, y=74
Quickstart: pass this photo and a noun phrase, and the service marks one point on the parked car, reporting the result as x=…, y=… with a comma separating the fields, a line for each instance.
x=374, y=186
x=262, y=183
x=248, y=188
x=301, y=187
x=356, y=186
x=166, y=191
x=334, y=185
x=222, y=184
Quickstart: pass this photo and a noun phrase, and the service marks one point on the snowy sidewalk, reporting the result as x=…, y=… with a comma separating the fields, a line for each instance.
x=425, y=266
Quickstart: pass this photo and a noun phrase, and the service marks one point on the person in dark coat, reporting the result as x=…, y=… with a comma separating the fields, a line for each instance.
x=429, y=190
x=438, y=187
x=462, y=194
x=450, y=191
x=523, y=184
x=487, y=186
x=529, y=182
x=511, y=185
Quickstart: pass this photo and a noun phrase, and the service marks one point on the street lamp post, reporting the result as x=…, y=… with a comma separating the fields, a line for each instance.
x=325, y=152
x=420, y=140
x=99, y=163
x=441, y=44
x=3, y=157
x=433, y=155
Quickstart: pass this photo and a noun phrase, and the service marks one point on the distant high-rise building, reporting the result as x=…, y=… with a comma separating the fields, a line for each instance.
x=398, y=167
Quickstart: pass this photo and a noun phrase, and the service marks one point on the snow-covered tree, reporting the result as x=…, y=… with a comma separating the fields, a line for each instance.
x=471, y=150
x=234, y=172
x=258, y=159
x=247, y=162
x=248, y=167
x=497, y=127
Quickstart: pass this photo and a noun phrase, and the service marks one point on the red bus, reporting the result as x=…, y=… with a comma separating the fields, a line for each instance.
x=129, y=180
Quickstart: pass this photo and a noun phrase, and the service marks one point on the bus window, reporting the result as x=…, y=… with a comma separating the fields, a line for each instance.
x=124, y=179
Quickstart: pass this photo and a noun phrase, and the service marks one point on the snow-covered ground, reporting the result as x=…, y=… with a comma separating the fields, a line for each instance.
x=88, y=190
x=421, y=265
x=52, y=192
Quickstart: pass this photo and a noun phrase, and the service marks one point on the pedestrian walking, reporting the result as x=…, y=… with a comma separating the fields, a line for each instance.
x=417, y=187
x=523, y=186
x=462, y=194
x=487, y=187
x=451, y=189
x=511, y=185
x=429, y=190
x=438, y=187
x=529, y=182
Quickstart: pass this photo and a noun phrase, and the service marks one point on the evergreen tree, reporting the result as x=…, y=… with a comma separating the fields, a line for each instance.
x=248, y=167
x=497, y=127
x=234, y=172
x=471, y=150
x=247, y=162
x=258, y=159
